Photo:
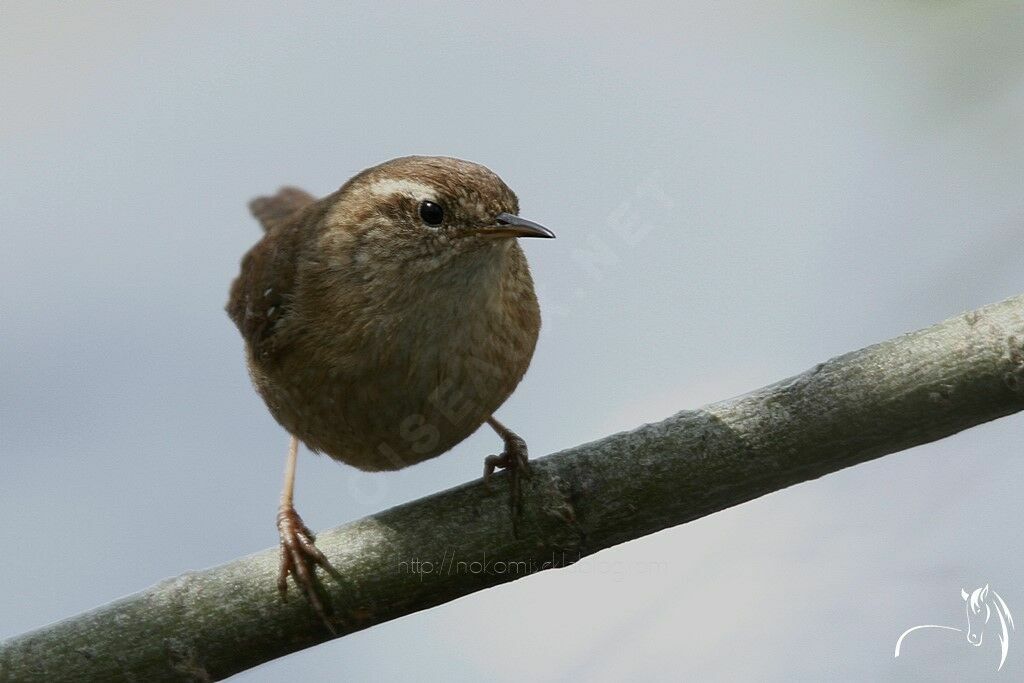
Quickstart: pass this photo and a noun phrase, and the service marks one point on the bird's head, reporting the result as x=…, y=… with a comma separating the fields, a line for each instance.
x=428, y=210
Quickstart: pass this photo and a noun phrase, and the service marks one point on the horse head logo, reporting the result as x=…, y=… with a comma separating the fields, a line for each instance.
x=981, y=605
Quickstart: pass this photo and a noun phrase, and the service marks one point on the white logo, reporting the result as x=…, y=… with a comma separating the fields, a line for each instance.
x=981, y=603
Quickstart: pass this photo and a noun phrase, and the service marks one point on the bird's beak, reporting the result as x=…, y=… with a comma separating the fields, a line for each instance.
x=509, y=225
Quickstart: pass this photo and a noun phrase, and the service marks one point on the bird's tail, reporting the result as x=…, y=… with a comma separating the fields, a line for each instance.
x=272, y=210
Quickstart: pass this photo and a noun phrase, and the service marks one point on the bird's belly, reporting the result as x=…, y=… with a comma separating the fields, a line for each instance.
x=408, y=406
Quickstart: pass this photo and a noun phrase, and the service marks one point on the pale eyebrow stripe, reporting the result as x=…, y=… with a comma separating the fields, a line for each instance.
x=391, y=186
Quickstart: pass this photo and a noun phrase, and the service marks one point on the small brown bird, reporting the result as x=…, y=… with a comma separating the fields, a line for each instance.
x=386, y=322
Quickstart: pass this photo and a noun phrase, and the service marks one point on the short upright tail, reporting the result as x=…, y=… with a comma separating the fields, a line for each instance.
x=272, y=210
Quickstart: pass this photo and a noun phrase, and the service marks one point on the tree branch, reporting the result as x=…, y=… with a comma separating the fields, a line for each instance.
x=210, y=624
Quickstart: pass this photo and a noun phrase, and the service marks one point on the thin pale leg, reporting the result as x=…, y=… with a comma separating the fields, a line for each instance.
x=299, y=554
x=515, y=458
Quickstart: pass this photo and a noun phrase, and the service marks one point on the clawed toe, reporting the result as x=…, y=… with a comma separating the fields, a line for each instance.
x=299, y=559
x=515, y=458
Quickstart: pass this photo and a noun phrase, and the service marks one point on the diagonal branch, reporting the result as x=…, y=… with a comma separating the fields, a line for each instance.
x=210, y=624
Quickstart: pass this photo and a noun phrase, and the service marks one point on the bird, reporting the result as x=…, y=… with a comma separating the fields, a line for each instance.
x=386, y=322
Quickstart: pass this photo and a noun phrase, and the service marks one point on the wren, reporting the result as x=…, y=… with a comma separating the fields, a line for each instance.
x=384, y=323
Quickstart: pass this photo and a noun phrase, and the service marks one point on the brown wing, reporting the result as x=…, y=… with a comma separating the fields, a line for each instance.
x=261, y=294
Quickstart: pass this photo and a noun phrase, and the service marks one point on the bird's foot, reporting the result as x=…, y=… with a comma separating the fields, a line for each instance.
x=515, y=458
x=299, y=559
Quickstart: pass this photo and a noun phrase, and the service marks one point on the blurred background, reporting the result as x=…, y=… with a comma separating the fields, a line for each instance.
x=739, y=192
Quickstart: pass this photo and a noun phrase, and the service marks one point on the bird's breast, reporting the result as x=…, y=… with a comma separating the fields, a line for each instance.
x=412, y=370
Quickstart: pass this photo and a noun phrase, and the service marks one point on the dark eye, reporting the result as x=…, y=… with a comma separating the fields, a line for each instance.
x=431, y=213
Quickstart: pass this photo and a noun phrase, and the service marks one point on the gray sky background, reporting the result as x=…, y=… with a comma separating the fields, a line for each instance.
x=739, y=192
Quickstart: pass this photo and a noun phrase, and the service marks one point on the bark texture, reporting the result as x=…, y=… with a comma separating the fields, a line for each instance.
x=209, y=624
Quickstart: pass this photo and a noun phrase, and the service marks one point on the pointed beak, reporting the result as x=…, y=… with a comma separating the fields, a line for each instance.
x=509, y=225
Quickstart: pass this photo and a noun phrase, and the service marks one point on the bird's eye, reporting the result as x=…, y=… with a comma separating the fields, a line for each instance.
x=431, y=213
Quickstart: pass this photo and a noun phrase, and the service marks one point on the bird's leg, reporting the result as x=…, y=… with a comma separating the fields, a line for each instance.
x=299, y=554
x=515, y=458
